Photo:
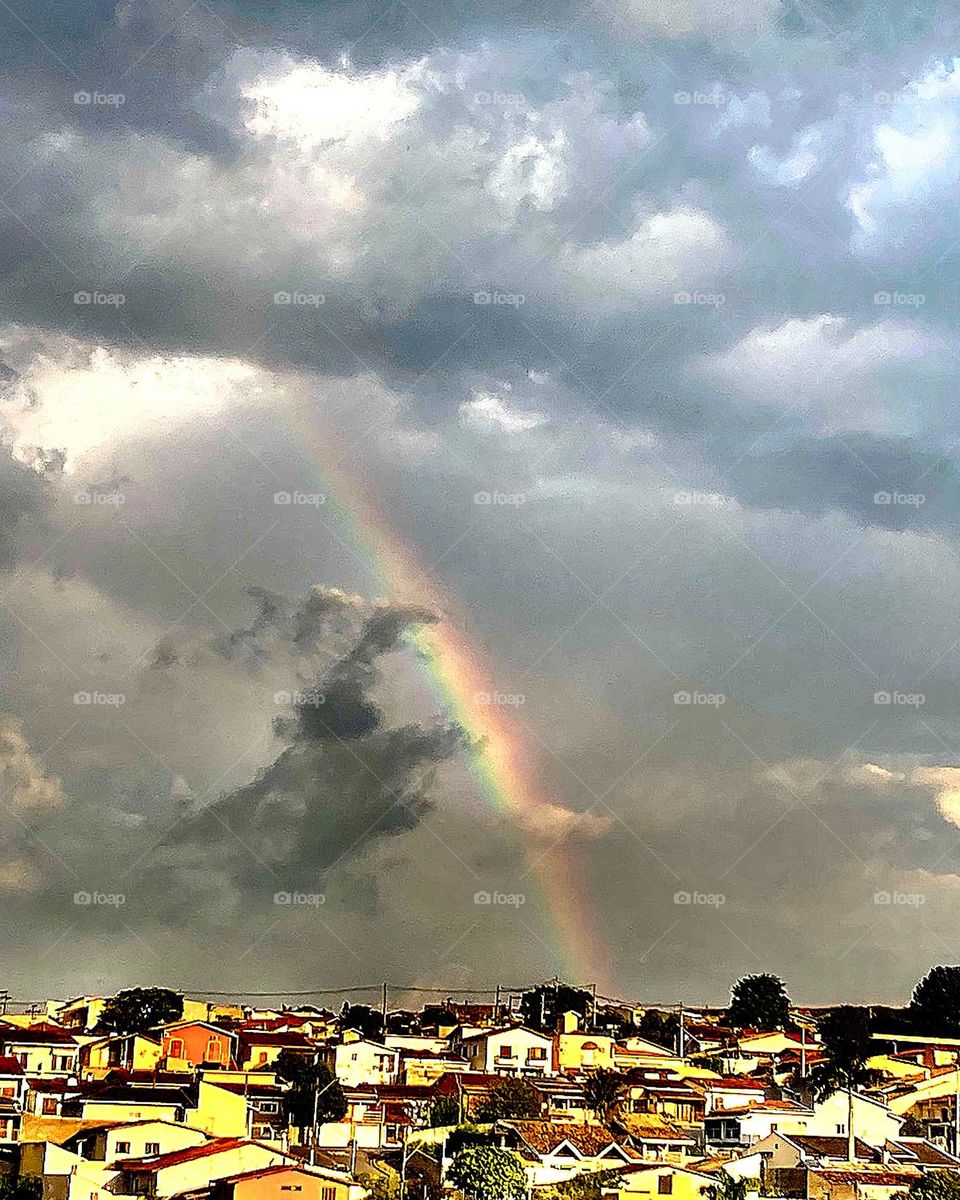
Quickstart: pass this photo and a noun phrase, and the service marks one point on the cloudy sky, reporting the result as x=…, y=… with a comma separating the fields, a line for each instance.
x=613, y=341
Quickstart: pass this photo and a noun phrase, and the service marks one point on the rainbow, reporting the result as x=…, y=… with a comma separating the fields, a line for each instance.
x=503, y=765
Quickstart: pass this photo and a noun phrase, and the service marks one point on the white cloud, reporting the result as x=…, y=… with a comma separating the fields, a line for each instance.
x=912, y=173
x=679, y=249
x=488, y=410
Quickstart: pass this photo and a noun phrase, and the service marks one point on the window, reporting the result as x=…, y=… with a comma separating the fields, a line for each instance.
x=506, y=1052
x=537, y=1052
x=176, y=1047
x=49, y=1105
x=7, y=1091
x=123, y=1147
x=269, y=1106
x=214, y=1050
x=328, y=1193
x=665, y=1185
x=151, y=1148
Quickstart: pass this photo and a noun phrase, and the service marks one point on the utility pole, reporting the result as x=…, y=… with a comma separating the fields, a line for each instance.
x=803, y=1052
x=496, y=1008
x=593, y=1006
x=851, y=1140
x=383, y=1008
x=956, y=1110
x=4, y=1001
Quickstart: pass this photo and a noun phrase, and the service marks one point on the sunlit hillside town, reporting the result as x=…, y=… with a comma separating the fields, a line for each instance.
x=537, y=1094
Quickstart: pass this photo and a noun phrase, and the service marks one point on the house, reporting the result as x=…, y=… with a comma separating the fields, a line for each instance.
x=554, y=1153
x=358, y=1061
x=577, y=1051
x=470, y=1089
x=657, y=1139
x=134, y=1139
x=658, y=1179
x=859, y=1181
x=195, y=1168
x=130, y=1052
x=82, y=1013
x=40, y=1050
x=284, y=1182
x=563, y=1100
x=730, y=1091
x=734, y=1128
x=515, y=1050
x=259, y=1048
x=377, y=1118
x=663, y=1092
x=108, y=1102
x=190, y=1044
x=265, y=1119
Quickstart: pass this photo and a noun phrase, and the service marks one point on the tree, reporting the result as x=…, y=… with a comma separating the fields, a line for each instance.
x=21, y=1187
x=937, y=1185
x=433, y=1016
x=369, y=1021
x=759, y=1002
x=486, y=1173
x=603, y=1090
x=135, y=1010
x=313, y=1089
x=935, y=1004
x=846, y=1045
x=726, y=1188
x=542, y=1006
x=509, y=1099
x=445, y=1110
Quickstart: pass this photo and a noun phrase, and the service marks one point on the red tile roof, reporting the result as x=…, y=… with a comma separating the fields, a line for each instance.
x=160, y=1161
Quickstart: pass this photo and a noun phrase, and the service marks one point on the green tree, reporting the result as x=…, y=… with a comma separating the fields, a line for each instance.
x=759, y=1002
x=846, y=1044
x=486, y=1173
x=308, y=1078
x=445, y=1110
x=510, y=1099
x=369, y=1021
x=603, y=1090
x=541, y=1007
x=726, y=1188
x=937, y=1185
x=935, y=1004
x=136, y=1010
x=21, y=1187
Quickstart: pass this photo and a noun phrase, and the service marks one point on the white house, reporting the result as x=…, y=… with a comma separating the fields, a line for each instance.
x=516, y=1050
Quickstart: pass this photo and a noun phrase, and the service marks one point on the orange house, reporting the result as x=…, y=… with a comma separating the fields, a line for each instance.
x=189, y=1044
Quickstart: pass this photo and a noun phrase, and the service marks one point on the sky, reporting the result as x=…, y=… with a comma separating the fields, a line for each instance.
x=479, y=493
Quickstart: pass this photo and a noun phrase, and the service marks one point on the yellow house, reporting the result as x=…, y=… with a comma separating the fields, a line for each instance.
x=132, y=1052
x=659, y=1179
x=577, y=1051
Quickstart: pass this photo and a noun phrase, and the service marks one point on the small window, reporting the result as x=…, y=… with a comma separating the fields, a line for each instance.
x=151, y=1148
x=49, y=1105
x=506, y=1052
x=123, y=1147
x=328, y=1193
x=176, y=1048
x=665, y=1185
